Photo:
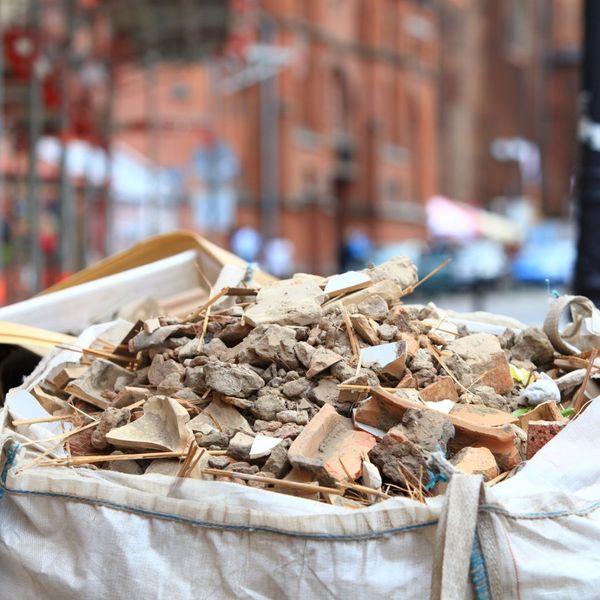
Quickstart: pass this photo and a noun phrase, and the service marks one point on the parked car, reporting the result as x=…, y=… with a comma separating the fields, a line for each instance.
x=473, y=263
x=547, y=255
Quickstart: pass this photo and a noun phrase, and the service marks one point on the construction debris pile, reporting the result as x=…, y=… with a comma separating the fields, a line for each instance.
x=331, y=389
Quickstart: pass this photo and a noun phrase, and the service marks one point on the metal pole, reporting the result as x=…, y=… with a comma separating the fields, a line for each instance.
x=109, y=199
x=67, y=222
x=269, y=142
x=33, y=199
x=152, y=137
x=3, y=215
x=587, y=270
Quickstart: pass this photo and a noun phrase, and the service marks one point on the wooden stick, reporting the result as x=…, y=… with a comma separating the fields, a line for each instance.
x=307, y=487
x=210, y=302
x=580, y=398
x=193, y=465
x=241, y=291
x=410, y=289
x=90, y=459
x=136, y=404
x=433, y=351
x=294, y=485
x=94, y=458
x=364, y=489
x=93, y=352
x=350, y=332
x=48, y=419
x=81, y=412
x=204, y=328
x=364, y=388
x=190, y=454
x=61, y=436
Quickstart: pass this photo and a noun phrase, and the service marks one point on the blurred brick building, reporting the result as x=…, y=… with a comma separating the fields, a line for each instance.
x=510, y=72
x=347, y=115
x=331, y=107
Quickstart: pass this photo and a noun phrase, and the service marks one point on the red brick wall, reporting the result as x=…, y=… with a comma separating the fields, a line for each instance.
x=509, y=69
x=366, y=78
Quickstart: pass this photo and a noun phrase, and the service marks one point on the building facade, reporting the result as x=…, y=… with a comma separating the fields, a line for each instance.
x=330, y=107
x=509, y=92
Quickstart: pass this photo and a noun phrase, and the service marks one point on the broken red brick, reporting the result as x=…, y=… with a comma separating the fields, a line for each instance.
x=476, y=461
x=539, y=433
x=330, y=447
x=497, y=374
x=442, y=388
x=479, y=414
x=384, y=406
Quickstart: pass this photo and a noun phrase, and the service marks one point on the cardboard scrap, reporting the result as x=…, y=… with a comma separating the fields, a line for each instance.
x=163, y=426
x=222, y=416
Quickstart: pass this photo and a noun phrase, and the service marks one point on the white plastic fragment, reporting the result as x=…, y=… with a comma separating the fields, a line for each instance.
x=22, y=405
x=390, y=358
x=371, y=476
x=262, y=446
x=443, y=406
x=539, y=391
x=347, y=282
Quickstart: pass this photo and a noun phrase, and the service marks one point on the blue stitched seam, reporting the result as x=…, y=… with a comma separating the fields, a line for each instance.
x=541, y=515
x=209, y=525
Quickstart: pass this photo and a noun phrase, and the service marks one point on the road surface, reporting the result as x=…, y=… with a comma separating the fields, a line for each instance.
x=528, y=305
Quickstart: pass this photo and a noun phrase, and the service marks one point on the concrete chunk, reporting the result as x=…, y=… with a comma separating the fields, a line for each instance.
x=374, y=307
x=483, y=354
x=287, y=303
x=101, y=376
x=322, y=359
x=232, y=380
x=240, y=445
x=429, y=429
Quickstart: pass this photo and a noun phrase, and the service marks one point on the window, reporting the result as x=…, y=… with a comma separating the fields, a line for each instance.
x=519, y=26
x=340, y=101
x=309, y=94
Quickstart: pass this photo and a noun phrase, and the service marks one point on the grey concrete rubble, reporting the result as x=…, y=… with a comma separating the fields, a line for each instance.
x=317, y=381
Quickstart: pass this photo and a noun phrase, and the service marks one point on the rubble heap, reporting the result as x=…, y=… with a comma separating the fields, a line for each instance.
x=332, y=389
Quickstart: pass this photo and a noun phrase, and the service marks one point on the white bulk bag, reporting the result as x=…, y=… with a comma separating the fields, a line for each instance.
x=95, y=534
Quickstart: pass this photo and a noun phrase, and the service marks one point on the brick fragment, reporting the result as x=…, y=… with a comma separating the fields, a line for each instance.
x=476, y=461
x=441, y=389
x=330, y=447
x=539, y=433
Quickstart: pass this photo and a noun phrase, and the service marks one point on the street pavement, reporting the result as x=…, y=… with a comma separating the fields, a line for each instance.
x=528, y=305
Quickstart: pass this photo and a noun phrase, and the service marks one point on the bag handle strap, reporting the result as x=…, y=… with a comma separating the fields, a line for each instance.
x=454, y=537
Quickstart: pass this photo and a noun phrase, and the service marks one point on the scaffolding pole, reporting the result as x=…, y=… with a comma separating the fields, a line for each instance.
x=67, y=222
x=34, y=130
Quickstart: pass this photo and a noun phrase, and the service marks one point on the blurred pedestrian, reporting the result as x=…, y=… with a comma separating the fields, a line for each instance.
x=355, y=252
